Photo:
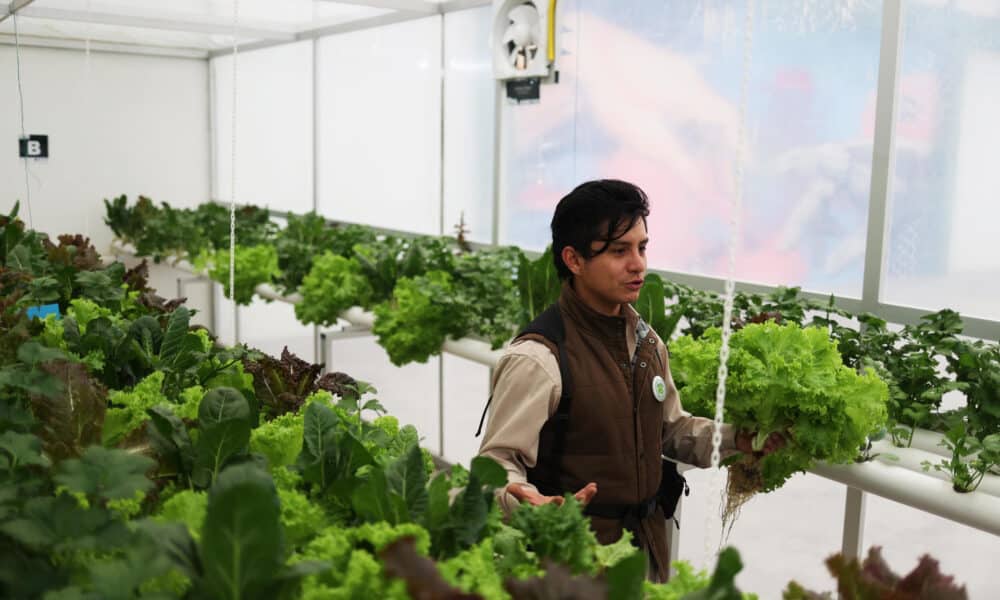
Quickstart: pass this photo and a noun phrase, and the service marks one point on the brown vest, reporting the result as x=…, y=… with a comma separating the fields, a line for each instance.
x=614, y=436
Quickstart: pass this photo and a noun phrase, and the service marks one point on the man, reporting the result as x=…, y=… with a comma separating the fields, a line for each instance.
x=624, y=411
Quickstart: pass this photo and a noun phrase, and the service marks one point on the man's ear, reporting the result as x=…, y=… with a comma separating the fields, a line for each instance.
x=572, y=259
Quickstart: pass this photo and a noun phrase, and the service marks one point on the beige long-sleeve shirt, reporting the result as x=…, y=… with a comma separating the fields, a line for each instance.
x=526, y=389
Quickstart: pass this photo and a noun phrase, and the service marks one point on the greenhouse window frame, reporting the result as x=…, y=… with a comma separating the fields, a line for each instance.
x=402, y=11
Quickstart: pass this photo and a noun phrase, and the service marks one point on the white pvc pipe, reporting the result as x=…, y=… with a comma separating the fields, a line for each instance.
x=912, y=459
x=929, y=441
x=475, y=350
x=269, y=293
x=975, y=509
x=358, y=316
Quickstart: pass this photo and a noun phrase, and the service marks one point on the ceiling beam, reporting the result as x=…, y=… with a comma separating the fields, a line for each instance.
x=311, y=34
x=96, y=46
x=419, y=6
x=13, y=7
x=456, y=5
x=209, y=26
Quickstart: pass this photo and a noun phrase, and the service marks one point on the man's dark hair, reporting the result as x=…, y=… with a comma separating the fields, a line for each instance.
x=605, y=210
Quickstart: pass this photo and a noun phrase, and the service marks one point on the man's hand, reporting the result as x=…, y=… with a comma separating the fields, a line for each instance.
x=525, y=494
x=744, y=442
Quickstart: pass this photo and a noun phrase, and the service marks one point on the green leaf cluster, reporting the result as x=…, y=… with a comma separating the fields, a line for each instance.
x=784, y=379
x=560, y=533
x=354, y=570
x=163, y=231
x=538, y=285
x=423, y=313
x=254, y=265
x=308, y=236
x=333, y=285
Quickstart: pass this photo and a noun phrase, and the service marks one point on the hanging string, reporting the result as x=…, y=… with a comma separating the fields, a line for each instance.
x=232, y=173
x=20, y=97
x=735, y=239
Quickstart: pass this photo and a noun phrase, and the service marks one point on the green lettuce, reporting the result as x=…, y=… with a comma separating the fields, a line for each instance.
x=784, y=378
x=254, y=265
x=333, y=285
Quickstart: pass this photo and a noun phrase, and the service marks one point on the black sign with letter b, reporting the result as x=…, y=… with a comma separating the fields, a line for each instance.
x=34, y=146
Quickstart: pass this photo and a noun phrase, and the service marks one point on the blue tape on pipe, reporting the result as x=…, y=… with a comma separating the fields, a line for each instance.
x=44, y=310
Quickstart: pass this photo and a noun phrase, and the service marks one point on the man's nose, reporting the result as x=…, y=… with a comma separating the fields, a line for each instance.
x=636, y=262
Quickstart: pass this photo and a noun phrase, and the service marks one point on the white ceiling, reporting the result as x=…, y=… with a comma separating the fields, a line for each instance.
x=198, y=27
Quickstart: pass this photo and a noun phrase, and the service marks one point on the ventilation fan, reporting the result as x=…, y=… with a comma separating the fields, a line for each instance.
x=520, y=40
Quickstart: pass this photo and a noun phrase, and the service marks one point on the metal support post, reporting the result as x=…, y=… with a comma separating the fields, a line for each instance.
x=854, y=523
x=343, y=333
x=441, y=405
x=882, y=155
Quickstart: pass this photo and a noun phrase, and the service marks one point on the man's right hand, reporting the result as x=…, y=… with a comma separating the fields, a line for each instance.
x=529, y=495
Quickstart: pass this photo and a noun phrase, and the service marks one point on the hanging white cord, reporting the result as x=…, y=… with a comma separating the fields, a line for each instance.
x=20, y=96
x=735, y=224
x=232, y=173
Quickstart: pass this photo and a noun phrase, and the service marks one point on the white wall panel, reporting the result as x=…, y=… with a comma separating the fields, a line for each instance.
x=274, y=134
x=469, y=90
x=379, y=126
x=466, y=389
x=117, y=124
x=943, y=218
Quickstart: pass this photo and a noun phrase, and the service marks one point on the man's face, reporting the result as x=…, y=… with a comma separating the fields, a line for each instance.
x=615, y=276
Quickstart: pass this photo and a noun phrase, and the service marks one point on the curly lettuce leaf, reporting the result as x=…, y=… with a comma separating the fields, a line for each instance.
x=333, y=285
x=784, y=378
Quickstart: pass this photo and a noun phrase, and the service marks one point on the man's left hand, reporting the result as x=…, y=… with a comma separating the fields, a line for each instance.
x=744, y=442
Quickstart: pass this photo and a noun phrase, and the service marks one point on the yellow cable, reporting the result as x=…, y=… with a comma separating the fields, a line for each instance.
x=552, y=31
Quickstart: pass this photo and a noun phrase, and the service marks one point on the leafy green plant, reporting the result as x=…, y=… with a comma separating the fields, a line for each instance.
x=331, y=455
x=224, y=425
x=253, y=226
x=163, y=231
x=354, y=571
x=459, y=525
x=302, y=238
x=560, y=533
x=254, y=265
x=397, y=494
x=485, y=284
x=783, y=379
x=872, y=579
x=971, y=458
x=722, y=585
x=333, y=285
x=241, y=554
x=385, y=262
x=282, y=385
x=423, y=313
x=976, y=366
x=224, y=433
x=538, y=285
x=128, y=223
x=127, y=411
x=652, y=308
x=58, y=524
x=783, y=305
